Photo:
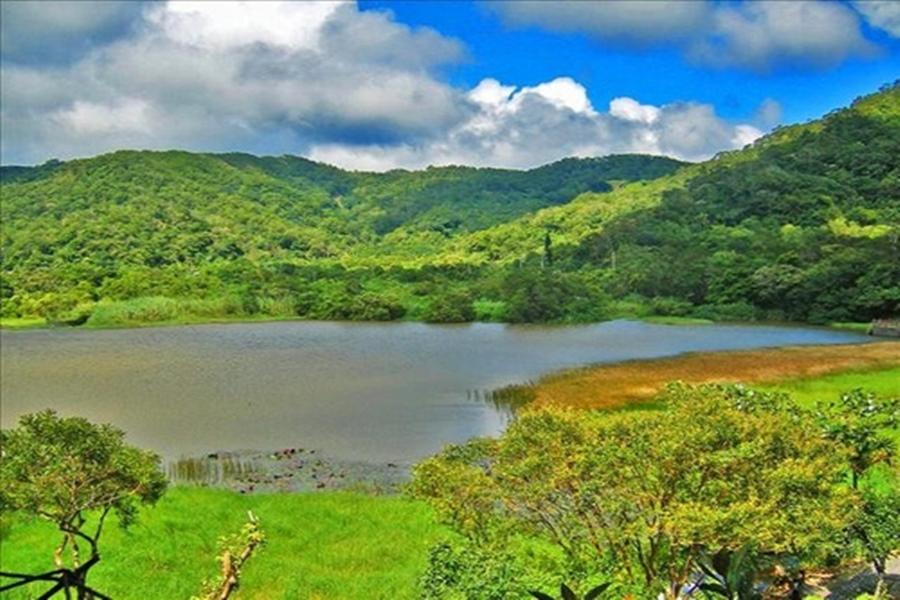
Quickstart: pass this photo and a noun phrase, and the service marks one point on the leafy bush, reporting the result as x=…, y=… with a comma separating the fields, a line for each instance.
x=451, y=307
x=644, y=497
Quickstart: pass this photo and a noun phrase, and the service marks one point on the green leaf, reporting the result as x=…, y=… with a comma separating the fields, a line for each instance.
x=597, y=591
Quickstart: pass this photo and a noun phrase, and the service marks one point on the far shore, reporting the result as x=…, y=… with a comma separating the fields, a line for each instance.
x=29, y=323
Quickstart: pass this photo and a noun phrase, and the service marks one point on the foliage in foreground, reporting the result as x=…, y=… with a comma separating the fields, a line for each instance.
x=73, y=474
x=334, y=545
x=234, y=551
x=658, y=502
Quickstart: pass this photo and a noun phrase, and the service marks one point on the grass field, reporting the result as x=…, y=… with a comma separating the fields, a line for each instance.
x=324, y=545
x=806, y=390
x=621, y=384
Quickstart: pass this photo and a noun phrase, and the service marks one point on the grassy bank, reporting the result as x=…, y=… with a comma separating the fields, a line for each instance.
x=23, y=322
x=330, y=545
x=622, y=384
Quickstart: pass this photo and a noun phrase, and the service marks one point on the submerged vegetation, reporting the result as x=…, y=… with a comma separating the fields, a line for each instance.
x=801, y=226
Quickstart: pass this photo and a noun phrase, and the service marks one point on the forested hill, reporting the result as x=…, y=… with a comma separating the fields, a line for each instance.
x=803, y=225
x=165, y=208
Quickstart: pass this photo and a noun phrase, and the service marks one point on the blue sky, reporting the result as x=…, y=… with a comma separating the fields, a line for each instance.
x=530, y=55
x=380, y=84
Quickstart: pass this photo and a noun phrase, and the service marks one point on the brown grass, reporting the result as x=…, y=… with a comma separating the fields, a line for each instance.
x=610, y=386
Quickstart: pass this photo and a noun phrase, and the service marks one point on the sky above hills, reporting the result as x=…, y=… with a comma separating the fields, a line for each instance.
x=379, y=84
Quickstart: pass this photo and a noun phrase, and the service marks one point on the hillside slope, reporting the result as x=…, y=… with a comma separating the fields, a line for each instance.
x=803, y=225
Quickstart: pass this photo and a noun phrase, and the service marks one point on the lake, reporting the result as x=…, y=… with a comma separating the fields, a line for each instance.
x=380, y=392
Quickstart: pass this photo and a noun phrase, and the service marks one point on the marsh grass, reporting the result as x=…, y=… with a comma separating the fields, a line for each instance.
x=159, y=309
x=622, y=384
x=210, y=470
x=507, y=399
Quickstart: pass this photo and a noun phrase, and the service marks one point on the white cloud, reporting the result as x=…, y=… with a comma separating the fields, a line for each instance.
x=490, y=92
x=629, y=109
x=883, y=14
x=562, y=93
x=754, y=35
x=218, y=24
x=524, y=128
x=88, y=118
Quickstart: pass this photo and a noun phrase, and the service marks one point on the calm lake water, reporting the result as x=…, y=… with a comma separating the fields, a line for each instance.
x=395, y=391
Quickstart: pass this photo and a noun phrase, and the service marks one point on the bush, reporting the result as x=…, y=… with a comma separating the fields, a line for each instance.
x=489, y=310
x=670, y=307
x=736, y=311
x=722, y=467
x=453, y=307
x=152, y=309
x=369, y=306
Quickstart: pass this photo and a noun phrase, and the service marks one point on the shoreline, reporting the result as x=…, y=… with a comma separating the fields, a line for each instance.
x=39, y=324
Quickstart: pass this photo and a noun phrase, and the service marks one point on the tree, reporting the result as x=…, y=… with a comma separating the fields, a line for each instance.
x=657, y=493
x=877, y=527
x=74, y=473
x=860, y=423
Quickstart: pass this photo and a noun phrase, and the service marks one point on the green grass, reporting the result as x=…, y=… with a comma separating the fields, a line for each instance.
x=884, y=382
x=323, y=545
x=22, y=322
x=806, y=391
x=858, y=327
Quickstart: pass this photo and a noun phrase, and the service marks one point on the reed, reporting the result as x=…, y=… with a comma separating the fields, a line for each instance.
x=210, y=470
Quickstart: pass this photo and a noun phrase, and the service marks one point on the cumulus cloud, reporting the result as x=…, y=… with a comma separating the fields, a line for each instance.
x=752, y=35
x=629, y=109
x=220, y=24
x=883, y=14
x=327, y=80
x=529, y=126
x=208, y=74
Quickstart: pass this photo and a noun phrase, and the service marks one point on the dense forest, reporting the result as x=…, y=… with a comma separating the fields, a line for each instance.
x=803, y=225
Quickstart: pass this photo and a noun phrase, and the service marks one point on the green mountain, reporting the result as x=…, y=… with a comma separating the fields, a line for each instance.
x=803, y=225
